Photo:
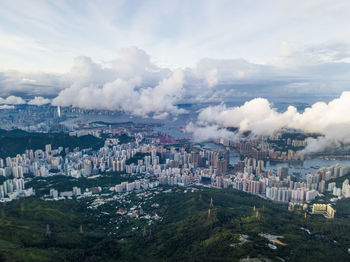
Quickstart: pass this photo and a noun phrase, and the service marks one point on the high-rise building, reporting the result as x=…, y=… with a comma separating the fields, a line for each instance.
x=53, y=193
x=76, y=191
x=58, y=111
x=282, y=171
x=48, y=148
x=222, y=167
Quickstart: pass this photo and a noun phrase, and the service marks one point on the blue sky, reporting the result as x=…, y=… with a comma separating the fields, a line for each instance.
x=48, y=35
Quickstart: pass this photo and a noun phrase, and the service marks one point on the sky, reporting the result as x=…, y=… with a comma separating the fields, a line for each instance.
x=224, y=48
x=47, y=35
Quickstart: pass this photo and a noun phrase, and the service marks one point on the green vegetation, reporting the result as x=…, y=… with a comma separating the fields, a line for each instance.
x=64, y=183
x=124, y=139
x=339, y=180
x=34, y=230
x=138, y=156
x=17, y=141
x=186, y=233
x=343, y=208
x=141, y=156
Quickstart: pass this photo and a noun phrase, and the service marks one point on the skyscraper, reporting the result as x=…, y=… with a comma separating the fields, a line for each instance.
x=58, y=111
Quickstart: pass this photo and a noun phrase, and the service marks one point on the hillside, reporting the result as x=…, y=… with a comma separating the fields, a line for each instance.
x=186, y=233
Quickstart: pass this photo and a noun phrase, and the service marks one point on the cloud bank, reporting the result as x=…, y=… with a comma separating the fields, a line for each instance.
x=319, y=68
x=332, y=120
x=130, y=83
x=7, y=106
x=134, y=84
x=204, y=133
x=12, y=100
x=125, y=95
x=39, y=101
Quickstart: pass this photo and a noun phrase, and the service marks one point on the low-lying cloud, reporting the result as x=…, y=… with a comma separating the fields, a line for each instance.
x=205, y=133
x=131, y=83
x=134, y=84
x=332, y=120
x=39, y=101
x=7, y=106
x=12, y=100
x=126, y=95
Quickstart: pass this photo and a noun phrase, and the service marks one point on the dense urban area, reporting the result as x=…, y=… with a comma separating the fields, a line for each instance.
x=125, y=176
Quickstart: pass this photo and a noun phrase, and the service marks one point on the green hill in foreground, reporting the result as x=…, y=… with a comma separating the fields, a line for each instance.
x=186, y=233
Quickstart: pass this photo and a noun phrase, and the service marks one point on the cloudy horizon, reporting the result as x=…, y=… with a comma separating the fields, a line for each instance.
x=225, y=49
x=145, y=58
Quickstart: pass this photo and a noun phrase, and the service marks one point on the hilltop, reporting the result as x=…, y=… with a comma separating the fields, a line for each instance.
x=232, y=231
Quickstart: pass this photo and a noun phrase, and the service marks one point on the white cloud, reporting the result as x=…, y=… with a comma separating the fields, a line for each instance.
x=7, y=107
x=12, y=100
x=286, y=49
x=329, y=119
x=258, y=116
x=39, y=101
x=205, y=133
x=130, y=83
x=125, y=95
x=210, y=80
x=312, y=68
x=163, y=115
